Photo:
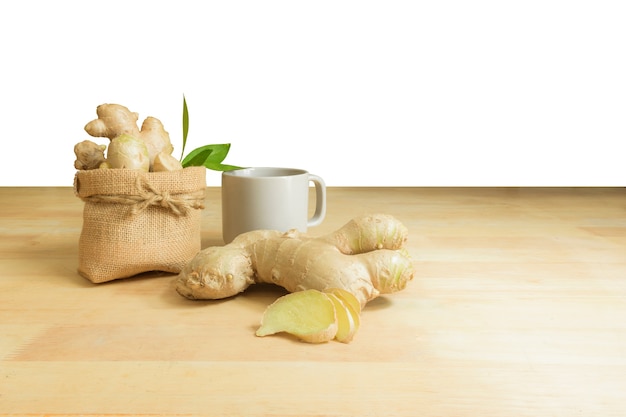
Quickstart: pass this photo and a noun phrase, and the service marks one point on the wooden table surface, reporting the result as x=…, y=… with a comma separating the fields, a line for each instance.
x=518, y=308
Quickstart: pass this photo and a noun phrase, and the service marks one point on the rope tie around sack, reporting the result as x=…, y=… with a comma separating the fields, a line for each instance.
x=147, y=196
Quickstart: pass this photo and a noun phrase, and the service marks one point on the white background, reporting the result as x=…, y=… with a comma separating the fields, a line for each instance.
x=372, y=93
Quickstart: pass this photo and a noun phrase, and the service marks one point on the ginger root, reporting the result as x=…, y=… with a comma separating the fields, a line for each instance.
x=364, y=257
x=126, y=151
x=155, y=137
x=166, y=162
x=115, y=120
x=89, y=155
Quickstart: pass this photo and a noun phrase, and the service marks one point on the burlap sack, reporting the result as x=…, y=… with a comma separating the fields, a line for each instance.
x=136, y=222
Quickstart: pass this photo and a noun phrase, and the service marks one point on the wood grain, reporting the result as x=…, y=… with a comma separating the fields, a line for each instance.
x=518, y=308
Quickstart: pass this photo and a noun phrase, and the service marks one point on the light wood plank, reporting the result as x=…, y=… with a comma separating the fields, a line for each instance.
x=518, y=308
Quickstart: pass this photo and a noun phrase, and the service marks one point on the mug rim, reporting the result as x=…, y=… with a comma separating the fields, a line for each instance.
x=265, y=172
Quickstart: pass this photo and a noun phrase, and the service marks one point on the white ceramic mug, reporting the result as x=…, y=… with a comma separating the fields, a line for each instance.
x=269, y=198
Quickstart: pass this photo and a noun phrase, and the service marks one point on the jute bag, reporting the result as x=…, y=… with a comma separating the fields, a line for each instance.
x=136, y=221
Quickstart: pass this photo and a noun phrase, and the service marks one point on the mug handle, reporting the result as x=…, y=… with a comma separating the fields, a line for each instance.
x=320, y=201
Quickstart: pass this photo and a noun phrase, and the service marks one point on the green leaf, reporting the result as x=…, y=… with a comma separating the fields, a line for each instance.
x=209, y=156
x=185, y=126
x=201, y=154
x=220, y=166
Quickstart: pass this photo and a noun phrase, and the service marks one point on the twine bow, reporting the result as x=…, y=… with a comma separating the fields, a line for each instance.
x=147, y=196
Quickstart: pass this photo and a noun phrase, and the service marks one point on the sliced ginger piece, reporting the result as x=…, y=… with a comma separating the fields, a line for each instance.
x=347, y=297
x=352, y=306
x=346, y=324
x=309, y=315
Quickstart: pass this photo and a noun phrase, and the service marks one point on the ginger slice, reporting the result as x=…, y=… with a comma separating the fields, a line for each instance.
x=347, y=297
x=309, y=315
x=352, y=307
x=346, y=324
